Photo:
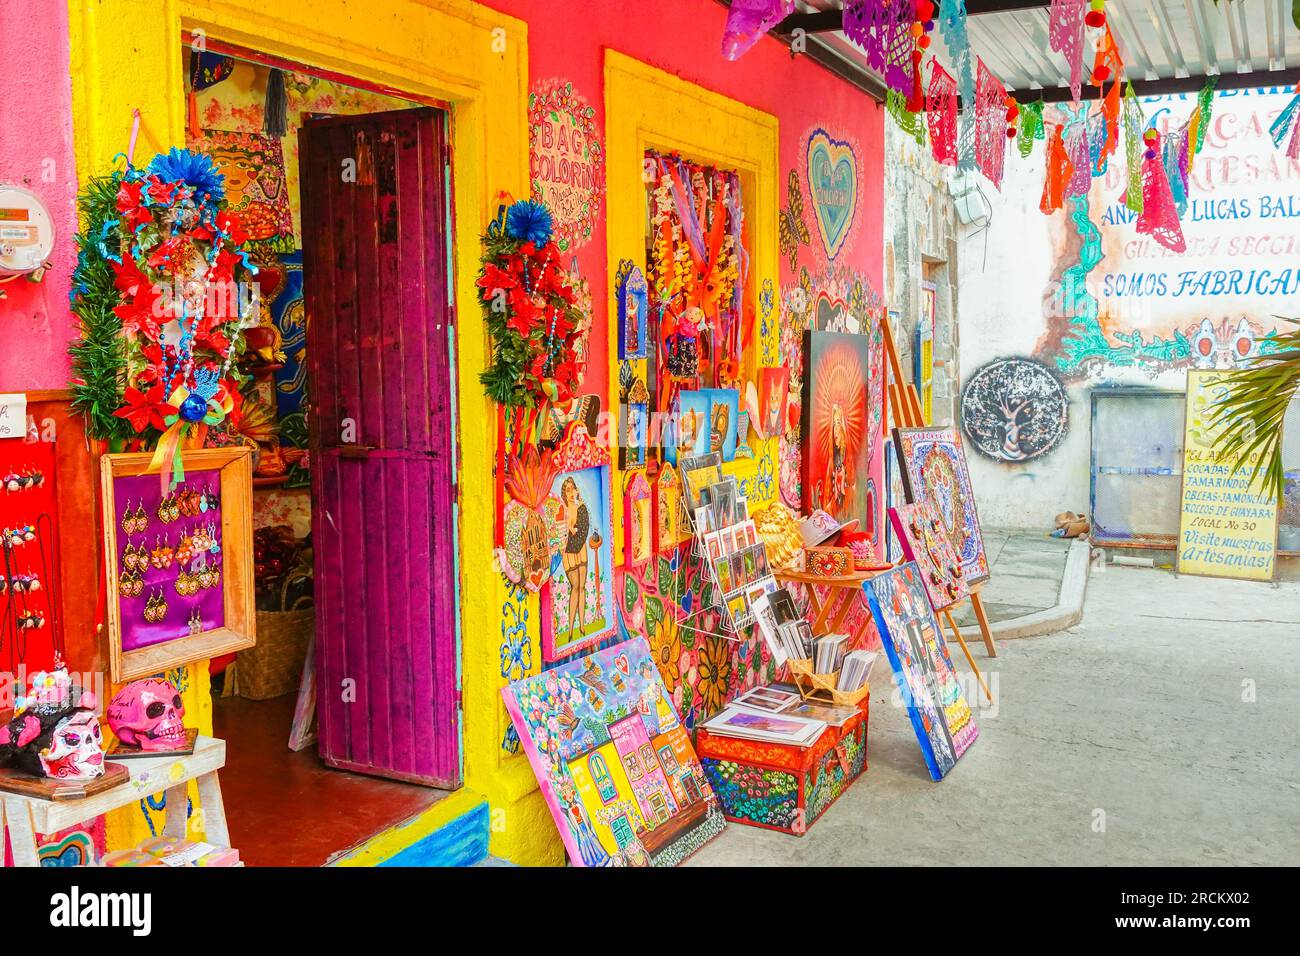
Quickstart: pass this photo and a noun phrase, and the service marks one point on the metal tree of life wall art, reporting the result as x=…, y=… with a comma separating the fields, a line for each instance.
x=1014, y=410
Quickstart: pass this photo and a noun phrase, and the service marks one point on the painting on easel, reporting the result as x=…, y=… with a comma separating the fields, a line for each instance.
x=923, y=539
x=933, y=466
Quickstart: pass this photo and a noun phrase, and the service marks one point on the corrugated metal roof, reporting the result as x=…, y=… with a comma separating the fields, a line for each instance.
x=1158, y=39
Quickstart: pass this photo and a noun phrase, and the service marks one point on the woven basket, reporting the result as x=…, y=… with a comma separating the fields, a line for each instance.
x=273, y=667
x=821, y=687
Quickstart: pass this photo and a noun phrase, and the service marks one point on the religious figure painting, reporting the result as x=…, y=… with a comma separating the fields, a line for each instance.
x=923, y=669
x=836, y=423
x=933, y=465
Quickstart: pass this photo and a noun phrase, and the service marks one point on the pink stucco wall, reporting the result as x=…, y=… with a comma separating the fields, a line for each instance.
x=36, y=152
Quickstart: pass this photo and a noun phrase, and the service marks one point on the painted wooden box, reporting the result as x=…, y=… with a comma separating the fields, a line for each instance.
x=779, y=786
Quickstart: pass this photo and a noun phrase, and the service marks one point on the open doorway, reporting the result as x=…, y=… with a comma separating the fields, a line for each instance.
x=343, y=190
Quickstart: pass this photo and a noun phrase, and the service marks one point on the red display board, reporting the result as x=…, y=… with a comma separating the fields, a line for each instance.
x=31, y=629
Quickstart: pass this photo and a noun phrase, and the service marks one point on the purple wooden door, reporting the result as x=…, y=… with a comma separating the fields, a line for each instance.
x=379, y=344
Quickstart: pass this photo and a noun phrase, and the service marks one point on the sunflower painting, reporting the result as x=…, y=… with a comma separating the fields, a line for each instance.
x=715, y=674
x=666, y=651
x=700, y=670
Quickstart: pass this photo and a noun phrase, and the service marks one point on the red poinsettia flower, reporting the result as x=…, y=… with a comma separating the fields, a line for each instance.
x=142, y=315
x=493, y=278
x=130, y=203
x=161, y=192
x=559, y=324
x=146, y=408
x=212, y=338
x=566, y=373
x=144, y=306
x=223, y=268
x=128, y=278
x=230, y=225
x=524, y=315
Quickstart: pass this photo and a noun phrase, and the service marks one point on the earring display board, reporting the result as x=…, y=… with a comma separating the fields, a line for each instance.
x=179, y=564
x=31, y=631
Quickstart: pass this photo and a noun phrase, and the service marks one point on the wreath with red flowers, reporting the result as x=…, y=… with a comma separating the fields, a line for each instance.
x=160, y=292
x=532, y=310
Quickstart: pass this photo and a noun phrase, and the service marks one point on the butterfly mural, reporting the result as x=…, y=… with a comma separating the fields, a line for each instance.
x=792, y=231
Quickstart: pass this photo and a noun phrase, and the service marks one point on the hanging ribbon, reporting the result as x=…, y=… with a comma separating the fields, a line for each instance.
x=167, y=461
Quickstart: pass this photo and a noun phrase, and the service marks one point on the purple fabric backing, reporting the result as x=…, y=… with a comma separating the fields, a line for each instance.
x=136, y=631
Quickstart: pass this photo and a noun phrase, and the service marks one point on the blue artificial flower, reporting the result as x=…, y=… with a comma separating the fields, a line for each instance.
x=194, y=169
x=529, y=221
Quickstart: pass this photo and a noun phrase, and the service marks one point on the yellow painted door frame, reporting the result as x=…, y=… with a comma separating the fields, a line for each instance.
x=126, y=55
x=648, y=108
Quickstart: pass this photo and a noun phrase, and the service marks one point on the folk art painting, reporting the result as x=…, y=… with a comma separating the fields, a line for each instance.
x=923, y=671
x=578, y=604
x=614, y=762
x=256, y=187
x=836, y=424
x=933, y=466
x=923, y=539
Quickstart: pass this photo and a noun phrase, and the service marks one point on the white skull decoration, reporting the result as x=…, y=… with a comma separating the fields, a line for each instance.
x=147, y=714
x=76, y=752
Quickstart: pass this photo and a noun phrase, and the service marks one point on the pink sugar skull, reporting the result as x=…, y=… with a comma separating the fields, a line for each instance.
x=147, y=714
x=76, y=751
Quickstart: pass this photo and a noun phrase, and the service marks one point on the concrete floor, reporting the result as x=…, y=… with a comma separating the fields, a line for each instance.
x=1026, y=569
x=1137, y=713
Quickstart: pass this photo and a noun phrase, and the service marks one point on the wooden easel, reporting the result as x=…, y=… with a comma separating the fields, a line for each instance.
x=905, y=407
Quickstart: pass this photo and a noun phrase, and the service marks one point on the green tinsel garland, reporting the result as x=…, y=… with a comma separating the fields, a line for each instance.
x=502, y=379
x=99, y=355
x=505, y=380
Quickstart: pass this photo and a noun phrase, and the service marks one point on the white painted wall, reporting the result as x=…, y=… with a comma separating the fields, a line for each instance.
x=1008, y=275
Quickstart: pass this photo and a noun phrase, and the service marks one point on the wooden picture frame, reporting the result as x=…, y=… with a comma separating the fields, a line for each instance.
x=237, y=629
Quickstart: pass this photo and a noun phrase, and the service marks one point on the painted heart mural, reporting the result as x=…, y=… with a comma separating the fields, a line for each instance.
x=833, y=188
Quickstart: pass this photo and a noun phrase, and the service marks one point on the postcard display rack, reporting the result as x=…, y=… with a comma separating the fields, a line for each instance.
x=727, y=540
x=778, y=786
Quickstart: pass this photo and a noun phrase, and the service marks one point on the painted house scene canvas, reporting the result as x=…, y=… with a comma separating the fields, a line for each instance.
x=614, y=762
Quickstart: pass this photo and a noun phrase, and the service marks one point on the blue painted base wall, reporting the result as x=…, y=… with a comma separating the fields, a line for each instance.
x=461, y=842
